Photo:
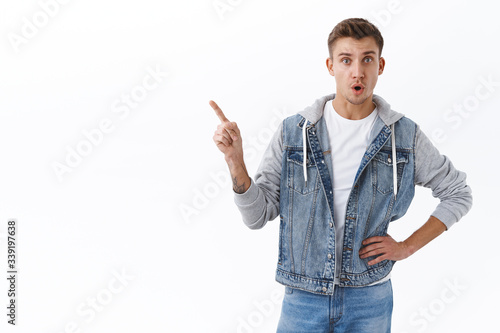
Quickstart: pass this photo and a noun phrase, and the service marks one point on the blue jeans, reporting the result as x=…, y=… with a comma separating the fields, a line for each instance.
x=349, y=309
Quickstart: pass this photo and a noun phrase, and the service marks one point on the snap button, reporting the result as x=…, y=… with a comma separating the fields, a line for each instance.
x=389, y=160
x=331, y=225
x=324, y=289
x=329, y=256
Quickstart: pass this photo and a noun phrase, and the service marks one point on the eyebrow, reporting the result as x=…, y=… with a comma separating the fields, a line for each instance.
x=349, y=54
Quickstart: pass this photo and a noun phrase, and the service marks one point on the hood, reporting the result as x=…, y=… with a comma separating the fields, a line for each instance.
x=389, y=117
x=314, y=112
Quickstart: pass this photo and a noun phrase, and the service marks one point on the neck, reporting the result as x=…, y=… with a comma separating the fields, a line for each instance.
x=353, y=111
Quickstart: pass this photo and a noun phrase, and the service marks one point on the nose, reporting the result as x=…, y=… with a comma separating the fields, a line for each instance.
x=357, y=71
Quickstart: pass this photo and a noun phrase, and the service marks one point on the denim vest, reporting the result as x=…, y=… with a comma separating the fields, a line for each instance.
x=307, y=233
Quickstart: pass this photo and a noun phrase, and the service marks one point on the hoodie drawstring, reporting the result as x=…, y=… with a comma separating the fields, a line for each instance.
x=394, y=157
x=304, y=149
x=394, y=162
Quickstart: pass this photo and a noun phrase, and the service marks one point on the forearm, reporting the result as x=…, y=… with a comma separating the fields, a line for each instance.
x=426, y=233
x=387, y=248
x=239, y=174
x=261, y=201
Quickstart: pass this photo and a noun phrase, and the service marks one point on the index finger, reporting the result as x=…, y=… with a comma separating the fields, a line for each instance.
x=218, y=112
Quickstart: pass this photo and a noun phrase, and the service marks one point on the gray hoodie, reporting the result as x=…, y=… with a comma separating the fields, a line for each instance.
x=260, y=203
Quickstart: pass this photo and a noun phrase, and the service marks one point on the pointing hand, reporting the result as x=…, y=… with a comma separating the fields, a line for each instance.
x=227, y=137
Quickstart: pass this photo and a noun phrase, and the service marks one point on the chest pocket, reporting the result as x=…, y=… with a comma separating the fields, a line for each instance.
x=296, y=180
x=382, y=169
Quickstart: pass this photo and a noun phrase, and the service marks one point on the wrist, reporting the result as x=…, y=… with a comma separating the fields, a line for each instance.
x=409, y=248
x=234, y=162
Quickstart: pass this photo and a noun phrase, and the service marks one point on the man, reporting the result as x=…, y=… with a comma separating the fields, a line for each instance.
x=337, y=173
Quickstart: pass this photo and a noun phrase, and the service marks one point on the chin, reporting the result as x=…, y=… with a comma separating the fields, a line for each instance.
x=357, y=100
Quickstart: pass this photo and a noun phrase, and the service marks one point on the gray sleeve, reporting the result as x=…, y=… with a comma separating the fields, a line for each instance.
x=436, y=171
x=260, y=203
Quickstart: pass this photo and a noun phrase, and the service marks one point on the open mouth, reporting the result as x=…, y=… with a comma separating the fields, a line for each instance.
x=358, y=89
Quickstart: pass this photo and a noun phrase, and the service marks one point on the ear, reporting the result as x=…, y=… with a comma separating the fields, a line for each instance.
x=381, y=65
x=329, y=65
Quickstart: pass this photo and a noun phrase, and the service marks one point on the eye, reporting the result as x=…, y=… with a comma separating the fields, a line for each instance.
x=368, y=60
x=345, y=61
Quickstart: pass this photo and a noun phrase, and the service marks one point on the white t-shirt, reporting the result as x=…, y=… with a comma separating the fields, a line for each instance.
x=348, y=141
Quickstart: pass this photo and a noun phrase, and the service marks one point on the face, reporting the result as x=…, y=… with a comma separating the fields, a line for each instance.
x=356, y=66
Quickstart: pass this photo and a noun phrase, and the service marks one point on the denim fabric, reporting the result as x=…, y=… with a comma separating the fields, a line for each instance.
x=353, y=310
x=307, y=234
x=307, y=244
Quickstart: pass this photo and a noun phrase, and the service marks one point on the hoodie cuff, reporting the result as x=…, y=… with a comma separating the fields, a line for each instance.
x=445, y=216
x=248, y=197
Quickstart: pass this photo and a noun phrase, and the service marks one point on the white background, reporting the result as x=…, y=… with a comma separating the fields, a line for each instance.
x=151, y=199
